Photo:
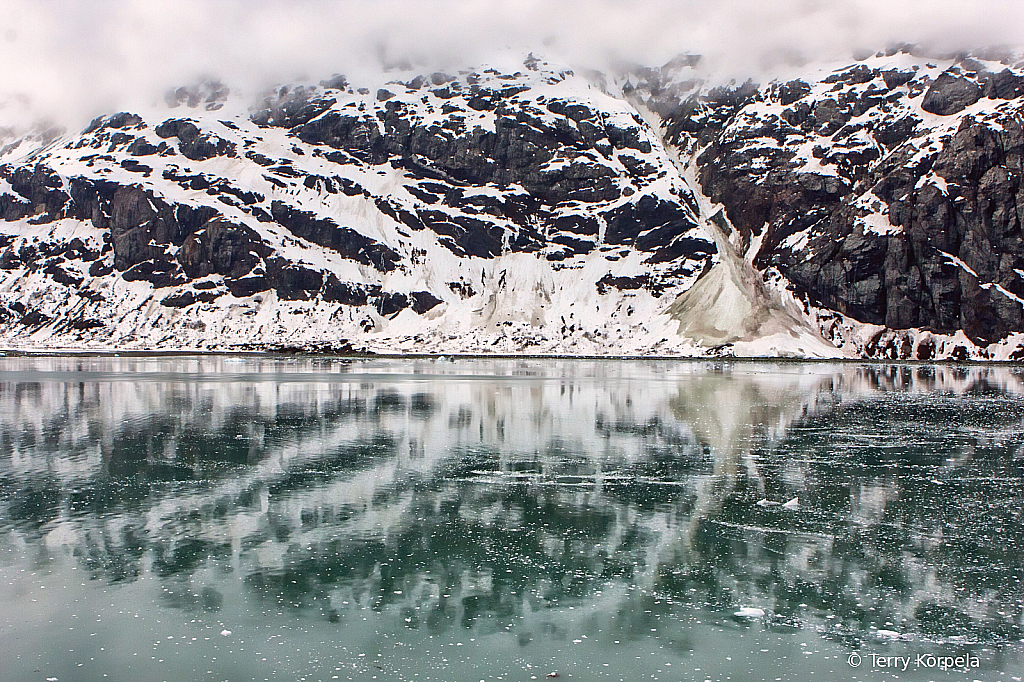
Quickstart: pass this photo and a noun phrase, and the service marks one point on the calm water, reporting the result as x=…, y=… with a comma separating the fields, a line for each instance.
x=272, y=519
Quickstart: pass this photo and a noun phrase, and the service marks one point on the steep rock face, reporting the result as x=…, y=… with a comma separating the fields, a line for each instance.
x=961, y=235
x=888, y=191
x=548, y=155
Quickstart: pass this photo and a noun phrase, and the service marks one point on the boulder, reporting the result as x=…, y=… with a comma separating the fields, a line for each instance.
x=950, y=94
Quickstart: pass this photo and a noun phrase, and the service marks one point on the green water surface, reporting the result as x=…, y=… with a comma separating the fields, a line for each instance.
x=222, y=518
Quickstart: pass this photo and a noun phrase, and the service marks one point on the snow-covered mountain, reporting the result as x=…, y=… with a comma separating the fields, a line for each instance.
x=866, y=209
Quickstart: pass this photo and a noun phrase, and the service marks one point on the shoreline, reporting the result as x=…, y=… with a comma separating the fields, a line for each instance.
x=314, y=353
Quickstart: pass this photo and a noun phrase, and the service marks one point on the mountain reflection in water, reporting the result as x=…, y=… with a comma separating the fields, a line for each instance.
x=543, y=500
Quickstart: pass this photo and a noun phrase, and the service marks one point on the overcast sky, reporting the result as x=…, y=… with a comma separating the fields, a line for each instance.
x=87, y=56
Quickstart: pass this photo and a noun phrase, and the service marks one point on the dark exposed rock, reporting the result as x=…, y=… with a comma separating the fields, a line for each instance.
x=206, y=147
x=902, y=279
x=950, y=94
x=141, y=222
x=133, y=166
x=622, y=283
x=39, y=192
x=731, y=96
x=577, y=224
x=518, y=151
x=285, y=170
x=859, y=73
x=463, y=289
x=782, y=202
x=897, y=132
x=94, y=125
x=9, y=260
x=34, y=318
x=390, y=303
x=293, y=281
x=845, y=275
x=140, y=147
x=982, y=168
x=61, y=275
x=465, y=236
x=253, y=283
x=912, y=278
x=290, y=107
x=828, y=116
x=1004, y=85
x=260, y=158
x=335, y=82
x=14, y=207
x=358, y=135
x=422, y=301
x=223, y=248
x=160, y=272
x=77, y=249
x=421, y=195
x=91, y=200
x=792, y=91
x=658, y=221
x=344, y=240
x=477, y=103
x=347, y=293
x=894, y=78
x=573, y=246
x=131, y=211
x=100, y=269
x=320, y=183
x=682, y=245
x=214, y=186
x=181, y=128
x=185, y=298
x=193, y=143
x=123, y=119
x=86, y=324
x=210, y=95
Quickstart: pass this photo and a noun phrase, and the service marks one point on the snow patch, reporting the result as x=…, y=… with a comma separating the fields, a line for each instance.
x=876, y=223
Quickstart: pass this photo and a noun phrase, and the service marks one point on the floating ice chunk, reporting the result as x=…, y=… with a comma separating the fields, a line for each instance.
x=793, y=504
x=225, y=632
x=749, y=612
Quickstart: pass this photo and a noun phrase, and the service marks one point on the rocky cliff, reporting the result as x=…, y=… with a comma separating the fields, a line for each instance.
x=886, y=192
x=870, y=209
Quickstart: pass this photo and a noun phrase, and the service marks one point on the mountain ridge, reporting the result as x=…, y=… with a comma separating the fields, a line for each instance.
x=536, y=212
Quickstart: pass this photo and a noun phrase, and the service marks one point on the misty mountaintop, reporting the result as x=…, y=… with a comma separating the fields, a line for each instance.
x=869, y=208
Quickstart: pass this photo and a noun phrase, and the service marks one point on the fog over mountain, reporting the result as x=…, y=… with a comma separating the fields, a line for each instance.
x=74, y=59
x=797, y=178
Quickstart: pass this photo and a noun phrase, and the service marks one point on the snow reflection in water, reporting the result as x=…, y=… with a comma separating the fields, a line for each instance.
x=225, y=518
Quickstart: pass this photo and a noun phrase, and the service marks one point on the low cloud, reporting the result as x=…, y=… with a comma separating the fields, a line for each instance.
x=75, y=58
